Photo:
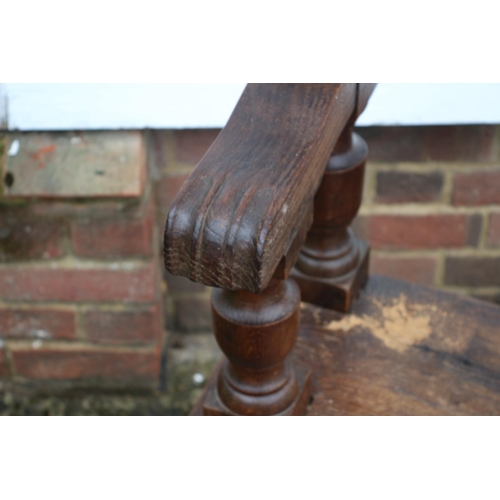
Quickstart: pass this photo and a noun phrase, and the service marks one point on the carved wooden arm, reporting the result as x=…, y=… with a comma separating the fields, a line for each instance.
x=239, y=212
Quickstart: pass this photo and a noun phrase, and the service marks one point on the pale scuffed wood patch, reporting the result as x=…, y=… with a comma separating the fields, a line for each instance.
x=398, y=326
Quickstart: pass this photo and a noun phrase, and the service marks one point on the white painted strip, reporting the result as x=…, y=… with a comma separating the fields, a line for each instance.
x=119, y=106
x=433, y=104
x=137, y=106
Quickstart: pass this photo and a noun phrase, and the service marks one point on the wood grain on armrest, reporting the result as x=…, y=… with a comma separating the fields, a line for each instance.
x=237, y=214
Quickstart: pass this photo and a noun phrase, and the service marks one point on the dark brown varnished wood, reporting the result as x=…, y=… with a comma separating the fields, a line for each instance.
x=287, y=262
x=239, y=212
x=257, y=332
x=333, y=263
x=404, y=350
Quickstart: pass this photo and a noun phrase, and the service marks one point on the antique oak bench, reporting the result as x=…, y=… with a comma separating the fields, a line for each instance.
x=264, y=219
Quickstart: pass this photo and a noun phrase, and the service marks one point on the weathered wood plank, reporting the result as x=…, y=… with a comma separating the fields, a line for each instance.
x=238, y=212
x=404, y=350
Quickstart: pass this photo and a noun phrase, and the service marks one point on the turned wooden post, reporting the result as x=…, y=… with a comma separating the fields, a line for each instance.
x=257, y=332
x=333, y=263
x=238, y=224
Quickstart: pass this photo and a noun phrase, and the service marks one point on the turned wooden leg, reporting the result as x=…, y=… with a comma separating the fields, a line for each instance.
x=333, y=263
x=256, y=332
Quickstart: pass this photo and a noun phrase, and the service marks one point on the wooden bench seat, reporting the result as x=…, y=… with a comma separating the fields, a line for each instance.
x=404, y=350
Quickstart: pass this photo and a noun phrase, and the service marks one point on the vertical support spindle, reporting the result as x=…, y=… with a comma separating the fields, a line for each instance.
x=333, y=264
x=256, y=332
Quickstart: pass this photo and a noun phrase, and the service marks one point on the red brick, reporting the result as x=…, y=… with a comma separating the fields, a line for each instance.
x=4, y=368
x=437, y=143
x=71, y=364
x=115, y=238
x=494, y=231
x=167, y=189
x=393, y=144
x=24, y=237
x=191, y=145
x=418, y=270
x=407, y=187
x=413, y=232
x=458, y=142
x=47, y=323
x=474, y=229
x=472, y=271
x=477, y=188
x=79, y=285
x=123, y=327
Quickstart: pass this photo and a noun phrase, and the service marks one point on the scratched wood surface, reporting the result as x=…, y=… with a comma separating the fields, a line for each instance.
x=404, y=350
x=238, y=213
x=74, y=164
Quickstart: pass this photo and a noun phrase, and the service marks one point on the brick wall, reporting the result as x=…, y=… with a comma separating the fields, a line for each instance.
x=431, y=206
x=83, y=294
x=80, y=277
